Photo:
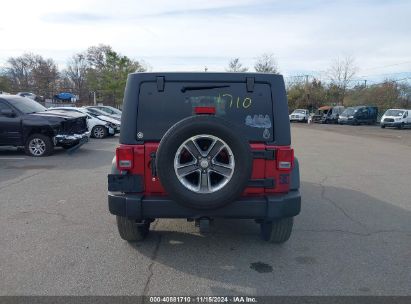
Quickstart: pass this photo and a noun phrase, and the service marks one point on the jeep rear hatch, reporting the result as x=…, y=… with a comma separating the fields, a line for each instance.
x=250, y=110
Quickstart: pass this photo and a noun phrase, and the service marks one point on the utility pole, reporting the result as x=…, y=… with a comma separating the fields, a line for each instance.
x=365, y=83
x=94, y=97
x=307, y=94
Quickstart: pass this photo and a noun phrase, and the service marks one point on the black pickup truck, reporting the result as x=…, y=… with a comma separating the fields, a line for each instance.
x=26, y=123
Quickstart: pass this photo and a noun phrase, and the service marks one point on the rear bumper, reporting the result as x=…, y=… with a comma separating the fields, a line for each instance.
x=266, y=207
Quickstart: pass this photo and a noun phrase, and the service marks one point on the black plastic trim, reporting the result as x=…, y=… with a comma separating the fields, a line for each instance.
x=125, y=183
x=262, y=183
x=264, y=154
x=264, y=207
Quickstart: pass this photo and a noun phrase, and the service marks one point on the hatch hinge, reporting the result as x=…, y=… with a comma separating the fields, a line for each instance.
x=250, y=84
x=160, y=83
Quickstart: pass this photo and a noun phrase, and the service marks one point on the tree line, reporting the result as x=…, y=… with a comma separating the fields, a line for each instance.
x=99, y=70
x=103, y=71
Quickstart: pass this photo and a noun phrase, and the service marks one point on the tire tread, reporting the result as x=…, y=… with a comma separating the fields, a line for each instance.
x=278, y=231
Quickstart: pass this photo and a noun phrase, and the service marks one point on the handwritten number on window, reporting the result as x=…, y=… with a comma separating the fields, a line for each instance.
x=245, y=103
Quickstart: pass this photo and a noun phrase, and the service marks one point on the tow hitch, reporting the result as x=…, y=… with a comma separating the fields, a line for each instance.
x=203, y=224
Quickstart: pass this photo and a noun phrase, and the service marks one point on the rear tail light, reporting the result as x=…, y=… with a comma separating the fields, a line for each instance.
x=125, y=158
x=204, y=110
x=285, y=159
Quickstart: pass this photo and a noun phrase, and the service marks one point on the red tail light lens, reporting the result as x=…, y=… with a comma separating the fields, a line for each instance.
x=285, y=159
x=125, y=158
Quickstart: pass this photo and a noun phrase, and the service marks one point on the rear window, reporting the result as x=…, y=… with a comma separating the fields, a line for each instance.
x=252, y=112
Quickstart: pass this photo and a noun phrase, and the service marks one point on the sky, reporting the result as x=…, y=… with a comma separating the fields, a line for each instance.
x=305, y=36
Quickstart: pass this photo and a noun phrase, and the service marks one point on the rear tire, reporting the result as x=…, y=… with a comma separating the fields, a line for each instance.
x=39, y=145
x=130, y=230
x=382, y=126
x=277, y=231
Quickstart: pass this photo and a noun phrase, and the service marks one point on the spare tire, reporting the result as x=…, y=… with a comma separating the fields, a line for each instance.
x=203, y=162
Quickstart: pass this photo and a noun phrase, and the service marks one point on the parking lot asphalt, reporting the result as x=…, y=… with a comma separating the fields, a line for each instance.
x=353, y=236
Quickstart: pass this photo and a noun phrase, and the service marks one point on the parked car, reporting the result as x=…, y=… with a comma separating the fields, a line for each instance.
x=66, y=96
x=26, y=123
x=332, y=115
x=97, y=112
x=399, y=118
x=188, y=151
x=109, y=110
x=299, y=115
x=318, y=115
x=31, y=96
x=359, y=115
x=102, y=116
x=99, y=126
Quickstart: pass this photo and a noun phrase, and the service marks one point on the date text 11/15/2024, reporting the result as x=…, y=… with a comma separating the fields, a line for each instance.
x=203, y=299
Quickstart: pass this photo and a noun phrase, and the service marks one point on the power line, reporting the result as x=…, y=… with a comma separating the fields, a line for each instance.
x=387, y=66
x=362, y=77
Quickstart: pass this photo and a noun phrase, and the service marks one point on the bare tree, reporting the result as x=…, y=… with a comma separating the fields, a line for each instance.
x=341, y=72
x=266, y=63
x=33, y=73
x=76, y=72
x=46, y=77
x=96, y=55
x=19, y=72
x=236, y=66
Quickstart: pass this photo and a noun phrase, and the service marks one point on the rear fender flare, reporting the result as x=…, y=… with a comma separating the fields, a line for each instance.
x=114, y=169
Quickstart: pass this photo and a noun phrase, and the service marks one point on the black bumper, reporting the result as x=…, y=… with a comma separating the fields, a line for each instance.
x=65, y=139
x=267, y=207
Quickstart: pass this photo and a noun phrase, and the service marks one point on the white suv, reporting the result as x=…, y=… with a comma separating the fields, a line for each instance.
x=399, y=118
x=299, y=115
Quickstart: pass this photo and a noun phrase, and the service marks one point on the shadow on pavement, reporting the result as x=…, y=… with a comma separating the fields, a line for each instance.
x=15, y=163
x=350, y=243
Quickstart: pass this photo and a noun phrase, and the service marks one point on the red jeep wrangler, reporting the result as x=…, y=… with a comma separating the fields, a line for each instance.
x=202, y=146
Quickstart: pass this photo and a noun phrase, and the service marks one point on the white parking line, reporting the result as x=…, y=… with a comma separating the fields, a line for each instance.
x=12, y=158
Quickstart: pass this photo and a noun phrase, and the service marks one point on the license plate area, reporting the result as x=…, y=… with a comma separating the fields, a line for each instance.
x=125, y=183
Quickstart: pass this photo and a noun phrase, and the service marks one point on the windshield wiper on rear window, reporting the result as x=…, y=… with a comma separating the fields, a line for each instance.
x=195, y=88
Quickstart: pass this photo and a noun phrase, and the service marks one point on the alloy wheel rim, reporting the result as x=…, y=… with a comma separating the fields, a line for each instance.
x=98, y=132
x=37, y=146
x=204, y=163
